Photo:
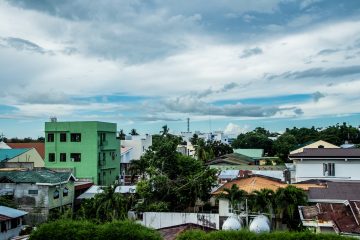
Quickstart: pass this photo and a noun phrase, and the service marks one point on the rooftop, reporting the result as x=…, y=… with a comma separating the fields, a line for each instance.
x=327, y=153
x=39, y=146
x=232, y=159
x=251, y=152
x=344, y=216
x=257, y=183
x=7, y=154
x=336, y=191
x=35, y=176
x=11, y=212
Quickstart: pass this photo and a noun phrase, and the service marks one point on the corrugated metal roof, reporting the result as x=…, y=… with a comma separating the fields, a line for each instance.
x=328, y=153
x=39, y=146
x=11, y=212
x=337, y=191
x=35, y=176
x=252, y=152
x=7, y=154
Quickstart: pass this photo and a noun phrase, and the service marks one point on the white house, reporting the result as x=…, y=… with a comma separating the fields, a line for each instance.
x=138, y=143
x=11, y=221
x=326, y=164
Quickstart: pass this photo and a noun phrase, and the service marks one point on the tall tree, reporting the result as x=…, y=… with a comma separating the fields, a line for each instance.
x=122, y=135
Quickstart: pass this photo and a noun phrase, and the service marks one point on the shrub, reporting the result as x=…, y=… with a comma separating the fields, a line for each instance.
x=65, y=229
x=83, y=230
x=246, y=235
x=126, y=230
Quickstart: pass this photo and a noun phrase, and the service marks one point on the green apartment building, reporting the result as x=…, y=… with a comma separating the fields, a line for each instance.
x=90, y=149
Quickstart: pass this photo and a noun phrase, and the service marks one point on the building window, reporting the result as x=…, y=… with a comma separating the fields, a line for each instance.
x=51, y=157
x=56, y=194
x=62, y=157
x=65, y=192
x=75, y=137
x=3, y=227
x=33, y=192
x=329, y=169
x=104, y=157
x=14, y=223
x=50, y=137
x=76, y=157
x=62, y=137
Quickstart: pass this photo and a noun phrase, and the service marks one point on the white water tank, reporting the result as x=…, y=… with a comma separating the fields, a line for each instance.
x=260, y=224
x=232, y=223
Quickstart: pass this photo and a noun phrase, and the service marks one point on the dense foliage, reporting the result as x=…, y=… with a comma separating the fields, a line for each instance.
x=171, y=181
x=206, y=151
x=296, y=137
x=83, y=230
x=246, y=235
x=106, y=206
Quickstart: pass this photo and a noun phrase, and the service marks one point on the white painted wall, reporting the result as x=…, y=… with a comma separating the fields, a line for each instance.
x=158, y=220
x=313, y=169
x=139, y=143
x=224, y=207
x=30, y=156
x=127, y=156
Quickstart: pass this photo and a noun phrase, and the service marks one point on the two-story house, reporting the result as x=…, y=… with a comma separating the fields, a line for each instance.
x=326, y=164
x=90, y=149
x=38, y=191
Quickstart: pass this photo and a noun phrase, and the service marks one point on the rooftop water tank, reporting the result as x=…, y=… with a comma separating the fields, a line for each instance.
x=260, y=224
x=232, y=223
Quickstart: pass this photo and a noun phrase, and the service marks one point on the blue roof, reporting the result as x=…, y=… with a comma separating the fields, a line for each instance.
x=11, y=212
x=7, y=154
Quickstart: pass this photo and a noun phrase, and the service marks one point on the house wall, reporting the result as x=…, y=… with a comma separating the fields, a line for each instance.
x=313, y=169
x=31, y=156
x=139, y=143
x=158, y=220
x=224, y=205
x=25, y=200
x=62, y=200
x=11, y=232
x=97, y=163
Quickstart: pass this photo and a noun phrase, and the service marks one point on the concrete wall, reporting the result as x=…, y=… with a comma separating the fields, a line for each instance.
x=31, y=156
x=313, y=169
x=158, y=220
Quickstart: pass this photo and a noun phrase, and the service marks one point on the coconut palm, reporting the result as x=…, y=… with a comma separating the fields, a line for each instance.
x=234, y=195
x=133, y=132
x=138, y=167
x=165, y=130
x=110, y=205
x=287, y=201
x=263, y=200
x=122, y=134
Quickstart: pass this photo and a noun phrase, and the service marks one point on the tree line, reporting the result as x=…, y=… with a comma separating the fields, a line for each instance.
x=295, y=137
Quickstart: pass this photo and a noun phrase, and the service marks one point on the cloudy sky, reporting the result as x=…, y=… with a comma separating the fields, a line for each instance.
x=146, y=63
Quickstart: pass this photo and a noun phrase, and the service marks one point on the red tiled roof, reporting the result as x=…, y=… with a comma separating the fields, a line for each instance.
x=39, y=146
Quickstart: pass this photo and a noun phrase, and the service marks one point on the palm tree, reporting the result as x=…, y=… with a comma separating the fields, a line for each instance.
x=287, y=201
x=200, y=150
x=122, y=134
x=263, y=200
x=133, y=132
x=110, y=205
x=165, y=130
x=234, y=195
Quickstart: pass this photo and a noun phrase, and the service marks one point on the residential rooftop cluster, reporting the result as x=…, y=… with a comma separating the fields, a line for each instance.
x=86, y=161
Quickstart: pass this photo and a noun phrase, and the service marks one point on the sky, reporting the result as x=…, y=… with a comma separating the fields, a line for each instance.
x=225, y=64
